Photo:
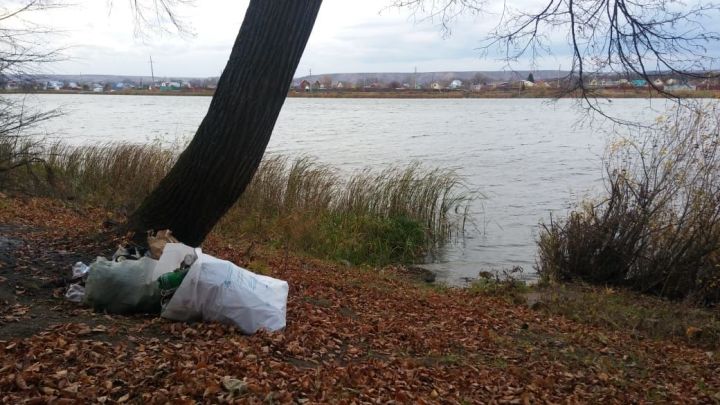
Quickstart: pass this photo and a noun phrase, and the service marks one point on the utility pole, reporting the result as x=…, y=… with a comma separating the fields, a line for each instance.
x=415, y=79
x=558, y=82
x=152, y=72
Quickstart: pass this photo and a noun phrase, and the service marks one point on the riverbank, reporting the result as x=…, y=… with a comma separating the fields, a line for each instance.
x=353, y=334
x=547, y=93
x=408, y=94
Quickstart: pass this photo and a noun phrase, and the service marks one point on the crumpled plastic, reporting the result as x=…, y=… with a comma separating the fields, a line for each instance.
x=79, y=270
x=75, y=293
x=234, y=386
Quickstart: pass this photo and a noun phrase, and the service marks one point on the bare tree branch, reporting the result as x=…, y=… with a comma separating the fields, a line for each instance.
x=159, y=16
x=444, y=12
x=23, y=43
x=624, y=39
x=24, y=50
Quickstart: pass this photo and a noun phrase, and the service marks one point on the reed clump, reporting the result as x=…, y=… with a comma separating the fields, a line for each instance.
x=393, y=215
x=656, y=229
x=115, y=175
x=111, y=175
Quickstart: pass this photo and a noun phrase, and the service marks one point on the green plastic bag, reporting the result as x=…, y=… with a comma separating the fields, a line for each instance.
x=124, y=287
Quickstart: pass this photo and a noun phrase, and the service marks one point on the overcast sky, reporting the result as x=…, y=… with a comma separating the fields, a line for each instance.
x=349, y=36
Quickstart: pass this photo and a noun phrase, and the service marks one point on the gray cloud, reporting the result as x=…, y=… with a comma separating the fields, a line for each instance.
x=348, y=37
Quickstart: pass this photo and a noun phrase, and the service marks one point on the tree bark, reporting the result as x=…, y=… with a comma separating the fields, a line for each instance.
x=212, y=173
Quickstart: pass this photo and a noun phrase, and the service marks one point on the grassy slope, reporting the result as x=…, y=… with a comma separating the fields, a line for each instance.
x=352, y=334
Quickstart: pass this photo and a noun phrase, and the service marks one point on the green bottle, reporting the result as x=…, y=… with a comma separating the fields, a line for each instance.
x=172, y=280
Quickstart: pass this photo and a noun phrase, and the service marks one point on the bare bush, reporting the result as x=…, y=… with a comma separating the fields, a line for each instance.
x=17, y=149
x=657, y=229
x=23, y=50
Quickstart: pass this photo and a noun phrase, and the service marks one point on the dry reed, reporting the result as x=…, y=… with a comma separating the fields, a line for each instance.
x=397, y=214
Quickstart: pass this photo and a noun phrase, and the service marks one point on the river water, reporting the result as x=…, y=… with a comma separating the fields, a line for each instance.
x=527, y=157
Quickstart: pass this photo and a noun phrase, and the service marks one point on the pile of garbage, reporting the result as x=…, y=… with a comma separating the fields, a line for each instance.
x=180, y=283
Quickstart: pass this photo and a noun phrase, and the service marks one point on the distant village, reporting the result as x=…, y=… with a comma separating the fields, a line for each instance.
x=30, y=84
x=476, y=83
x=669, y=84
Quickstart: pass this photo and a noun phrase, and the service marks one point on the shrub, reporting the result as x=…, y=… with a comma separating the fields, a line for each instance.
x=657, y=228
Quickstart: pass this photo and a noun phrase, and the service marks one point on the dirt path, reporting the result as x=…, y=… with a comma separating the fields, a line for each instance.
x=35, y=271
x=30, y=280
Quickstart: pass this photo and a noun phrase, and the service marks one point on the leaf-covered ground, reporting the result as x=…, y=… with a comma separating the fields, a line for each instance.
x=353, y=335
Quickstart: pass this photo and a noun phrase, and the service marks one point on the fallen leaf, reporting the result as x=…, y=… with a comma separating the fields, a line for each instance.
x=233, y=385
x=20, y=382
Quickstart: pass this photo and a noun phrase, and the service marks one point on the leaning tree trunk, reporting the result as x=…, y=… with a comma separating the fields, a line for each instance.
x=212, y=173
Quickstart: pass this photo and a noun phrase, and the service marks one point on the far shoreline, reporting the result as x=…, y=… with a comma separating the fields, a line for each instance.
x=403, y=94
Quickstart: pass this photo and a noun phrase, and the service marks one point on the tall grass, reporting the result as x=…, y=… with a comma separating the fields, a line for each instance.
x=112, y=175
x=115, y=175
x=394, y=215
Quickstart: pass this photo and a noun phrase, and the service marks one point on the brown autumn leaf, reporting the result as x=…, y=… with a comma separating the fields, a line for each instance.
x=692, y=332
x=20, y=382
x=352, y=336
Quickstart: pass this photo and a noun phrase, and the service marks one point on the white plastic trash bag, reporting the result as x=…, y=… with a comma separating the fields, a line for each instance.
x=172, y=256
x=218, y=290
